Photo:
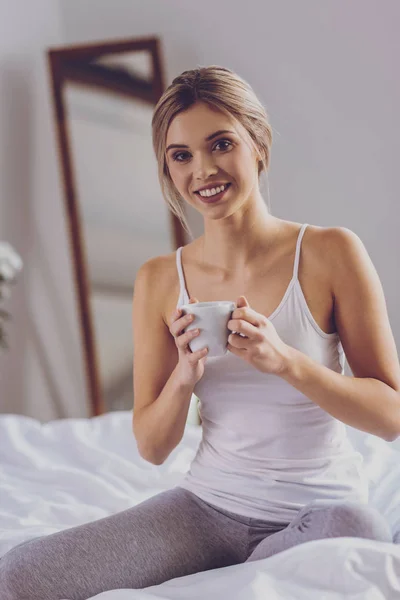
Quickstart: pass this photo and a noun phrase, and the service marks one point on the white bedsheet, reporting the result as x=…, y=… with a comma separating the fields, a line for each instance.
x=70, y=471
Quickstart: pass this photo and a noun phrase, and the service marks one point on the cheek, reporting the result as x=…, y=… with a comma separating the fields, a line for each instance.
x=181, y=180
x=238, y=163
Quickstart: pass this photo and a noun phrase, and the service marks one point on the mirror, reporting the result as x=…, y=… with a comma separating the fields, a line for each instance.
x=104, y=96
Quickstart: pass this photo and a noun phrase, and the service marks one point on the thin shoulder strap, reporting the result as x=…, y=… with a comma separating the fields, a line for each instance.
x=298, y=246
x=184, y=297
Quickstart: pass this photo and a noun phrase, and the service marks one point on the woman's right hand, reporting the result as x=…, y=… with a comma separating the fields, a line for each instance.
x=190, y=364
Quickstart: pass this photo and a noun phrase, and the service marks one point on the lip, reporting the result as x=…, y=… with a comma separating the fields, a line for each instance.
x=213, y=199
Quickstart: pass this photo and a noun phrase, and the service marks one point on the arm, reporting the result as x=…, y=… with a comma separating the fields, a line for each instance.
x=369, y=401
x=160, y=426
x=161, y=401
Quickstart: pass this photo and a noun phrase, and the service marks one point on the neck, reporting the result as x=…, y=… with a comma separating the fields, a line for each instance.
x=232, y=244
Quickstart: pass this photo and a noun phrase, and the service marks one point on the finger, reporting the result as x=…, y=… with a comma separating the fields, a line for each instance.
x=241, y=352
x=249, y=315
x=240, y=343
x=176, y=314
x=192, y=300
x=183, y=340
x=196, y=356
x=243, y=327
x=180, y=324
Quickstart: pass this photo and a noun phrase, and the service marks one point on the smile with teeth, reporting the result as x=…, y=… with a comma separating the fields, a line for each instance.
x=213, y=191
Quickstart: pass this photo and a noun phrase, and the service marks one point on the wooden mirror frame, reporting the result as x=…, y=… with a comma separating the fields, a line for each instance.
x=67, y=64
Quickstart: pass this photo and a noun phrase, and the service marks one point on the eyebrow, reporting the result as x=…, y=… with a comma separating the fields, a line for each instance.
x=207, y=139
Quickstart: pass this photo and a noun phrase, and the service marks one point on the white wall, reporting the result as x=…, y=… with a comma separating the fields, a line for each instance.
x=327, y=73
x=41, y=376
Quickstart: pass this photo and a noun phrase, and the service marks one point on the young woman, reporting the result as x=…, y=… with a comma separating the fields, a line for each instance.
x=274, y=468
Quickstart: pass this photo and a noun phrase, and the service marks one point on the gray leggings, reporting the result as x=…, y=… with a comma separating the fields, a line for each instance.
x=169, y=535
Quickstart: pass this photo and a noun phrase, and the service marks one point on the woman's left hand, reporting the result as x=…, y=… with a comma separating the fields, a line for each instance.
x=262, y=347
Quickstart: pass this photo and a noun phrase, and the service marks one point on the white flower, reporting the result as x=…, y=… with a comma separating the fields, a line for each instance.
x=10, y=262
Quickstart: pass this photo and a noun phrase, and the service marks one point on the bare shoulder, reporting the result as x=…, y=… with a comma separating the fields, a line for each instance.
x=315, y=251
x=361, y=313
x=331, y=239
x=156, y=264
x=339, y=249
x=316, y=235
x=350, y=265
x=319, y=238
x=329, y=250
x=163, y=279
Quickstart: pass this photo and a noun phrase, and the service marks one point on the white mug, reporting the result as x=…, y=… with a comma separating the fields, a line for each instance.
x=211, y=318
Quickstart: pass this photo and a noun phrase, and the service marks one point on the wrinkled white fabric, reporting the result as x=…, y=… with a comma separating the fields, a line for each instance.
x=71, y=471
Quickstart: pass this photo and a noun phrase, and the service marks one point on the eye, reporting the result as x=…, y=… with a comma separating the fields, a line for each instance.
x=224, y=142
x=177, y=154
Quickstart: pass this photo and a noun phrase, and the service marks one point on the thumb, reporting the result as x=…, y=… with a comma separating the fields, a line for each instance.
x=242, y=301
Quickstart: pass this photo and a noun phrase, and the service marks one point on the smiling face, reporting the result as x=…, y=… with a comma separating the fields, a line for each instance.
x=196, y=158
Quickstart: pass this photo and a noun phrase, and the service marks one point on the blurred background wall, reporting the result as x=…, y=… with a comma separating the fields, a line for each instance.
x=42, y=373
x=327, y=74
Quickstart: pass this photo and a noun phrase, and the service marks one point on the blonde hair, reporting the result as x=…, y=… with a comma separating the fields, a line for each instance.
x=223, y=89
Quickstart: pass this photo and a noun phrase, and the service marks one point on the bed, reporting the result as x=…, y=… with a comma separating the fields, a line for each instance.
x=70, y=471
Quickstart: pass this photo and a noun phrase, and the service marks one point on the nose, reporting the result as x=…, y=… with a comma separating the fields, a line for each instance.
x=204, y=167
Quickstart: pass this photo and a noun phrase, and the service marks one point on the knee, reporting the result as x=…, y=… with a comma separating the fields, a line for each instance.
x=13, y=578
x=358, y=520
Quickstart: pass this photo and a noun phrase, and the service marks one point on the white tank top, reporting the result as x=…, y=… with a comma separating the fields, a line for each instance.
x=267, y=450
